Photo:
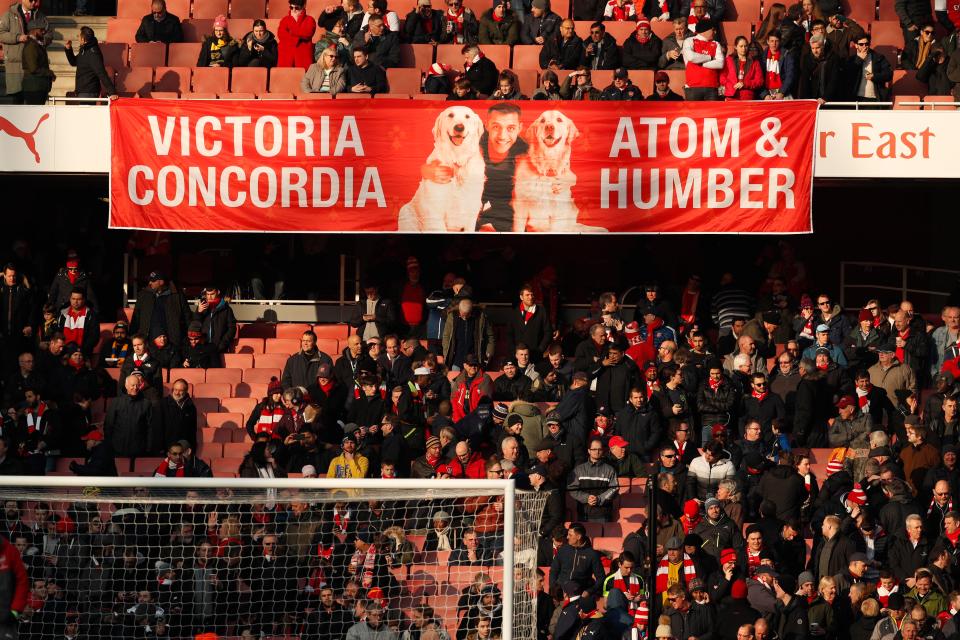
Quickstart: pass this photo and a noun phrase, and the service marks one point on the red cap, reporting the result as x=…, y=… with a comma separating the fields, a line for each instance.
x=727, y=555
x=691, y=508
x=738, y=590
x=846, y=401
x=718, y=430
x=93, y=434
x=618, y=441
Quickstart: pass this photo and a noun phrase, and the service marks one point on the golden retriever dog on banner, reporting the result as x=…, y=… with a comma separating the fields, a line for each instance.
x=542, y=200
x=454, y=205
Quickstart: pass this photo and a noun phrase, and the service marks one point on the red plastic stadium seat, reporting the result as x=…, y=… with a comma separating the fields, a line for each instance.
x=933, y=103
x=526, y=57
x=256, y=330
x=418, y=56
x=238, y=360
x=292, y=330
x=582, y=28
x=478, y=6
x=122, y=29
x=285, y=80
x=315, y=96
x=559, y=7
x=900, y=99
x=245, y=345
x=230, y=376
x=271, y=360
x=179, y=8
x=250, y=390
x=404, y=80
x=391, y=96
x=277, y=9
x=146, y=465
x=209, y=450
x=251, y=9
x=621, y=30
x=887, y=39
x=748, y=10
x=133, y=8
x=243, y=406
x=148, y=54
x=353, y=96
x=183, y=54
x=165, y=95
x=238, y=96
x=461, y=576
x=662, y=29
x=643, y=78
x=860, y=11
x=261, y=374
x=209, y=8
x=731, y=30
x=114, y=54
x=886, y=10
x=226, y=467
x=338, y=331
x=678, y=77
x=193, y=376
x=137, y=81
x=248, y=80
x=906, y=83
x=212, y=390
x=276, y=96
x=210, y=80
x=282, y=345
x=527, y=80
x=207, y=405
x=330, y=346
x=225, y=420
x=171, y=79
x=235, y=449
x=197, y=30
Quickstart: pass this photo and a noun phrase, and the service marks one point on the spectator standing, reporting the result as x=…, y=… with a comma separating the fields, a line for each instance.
x=159, y=25
x=914, y=15
x=578, y=562
x=71, y=276
x=620, y=11
x=302, y=367
x=80, y=324
x=499, y=25
x=37, y=76
x=178, y=415
x=413, y=296
x=742, y=75
x=467, y=331
x=161, y=309
x=563, y=49
x=379, y=8
x=671, y=51
x=258, y=48
x=217, y=319
x=373, y=317
x=16, y=315
x=870, y=73
x=91, y=74
x=218, y=49
x=703, y=57
x=14, y=597
x=594, y=485
x=381, y=45
x=295, y=37
x=423, y=25
x=642, y=50
x=530, y=325
x=15, y=26
x=128, y=428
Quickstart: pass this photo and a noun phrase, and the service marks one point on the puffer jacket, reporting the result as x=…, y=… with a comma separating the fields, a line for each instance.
x=853, y=433
x=719, y=535
x=506, y=31
x=219, y=325
x=61, y=288
x=715, y=406
x=703, y=477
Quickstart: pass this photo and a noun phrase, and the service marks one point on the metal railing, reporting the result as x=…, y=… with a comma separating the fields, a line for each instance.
x=928, y=287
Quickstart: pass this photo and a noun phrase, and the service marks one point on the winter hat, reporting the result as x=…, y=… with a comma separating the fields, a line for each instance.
x=727, y=555
x=711, y=502
x=857, y=496
x=704, y=26
x=552, y=418
x=539, y=4
x=822, y=328
x=692, y=540
x=805, y=577
x=846, y=401
x=632, y=332
x=806, y=301
x=865, y=316
x=325, y=371
x=220, y=21
x=643, y=22
x=896, y=601
x=65, y=525
x=738, y=590
x=500, y=410
x=274, y=386
x=697, y=585
x=664, y=631
x=195, y=330
x=433, y=441
x=834, y=466
x=787, y=582
x=514, y=419
x=674, y=543
x=691, y=508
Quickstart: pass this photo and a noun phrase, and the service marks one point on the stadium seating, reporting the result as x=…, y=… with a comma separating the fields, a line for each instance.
x=122, y=29
x=285, y=81
x=932, y=103
x=209, y=8
x=197, y=30
x=887, y=39
x=404, y=80
x=148, y=54
x=135, y=81
x=173, y=79
x=743, y=10
x=183, y=54
x=211, y=80
x=248, y=80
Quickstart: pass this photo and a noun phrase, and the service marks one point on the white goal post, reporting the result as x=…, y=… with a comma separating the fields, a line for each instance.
x=269, y=548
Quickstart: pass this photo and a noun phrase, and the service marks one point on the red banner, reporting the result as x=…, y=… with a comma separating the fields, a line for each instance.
x=416, y=166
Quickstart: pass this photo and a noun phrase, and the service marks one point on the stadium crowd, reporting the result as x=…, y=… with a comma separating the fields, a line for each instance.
x=682, y=394
x=809, y=50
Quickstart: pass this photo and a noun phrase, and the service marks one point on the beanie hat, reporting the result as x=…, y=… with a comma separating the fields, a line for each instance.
x=691, y=508
x=857, y=496
x=865, y=316
x=834, y=466
x=274, y=386
x=220, y=21
x=806, y=301
x=433, y=441
x=727, y=555
x=500, y=410
x=195, y=329
x=738, y=590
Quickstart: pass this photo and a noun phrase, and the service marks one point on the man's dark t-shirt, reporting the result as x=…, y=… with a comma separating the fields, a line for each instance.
x=498, y=189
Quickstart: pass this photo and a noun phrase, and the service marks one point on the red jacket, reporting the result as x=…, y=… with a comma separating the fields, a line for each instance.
x=953, y=12
x=481, y=386
x=752, y=80
x=475, y=469
x=295, y=46
x=14, y=586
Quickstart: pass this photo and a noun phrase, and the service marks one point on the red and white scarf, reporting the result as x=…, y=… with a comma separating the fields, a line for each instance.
x=883, y=594
x=863, y=398
x=35, y=417
x=627, y=12
x=528, y=313
x=73, y=323
x=758, y=395
x=340, y=521
x=773, y=70
x=680, y=449
x=692, y=19
x=663, y=572
x=934, y=505
x=753, y=562
x=139, y=360
x=269, y=418
x=169, y=469
x=476, y=59
x=688, y=305
x=714, y=384
x=369, y=560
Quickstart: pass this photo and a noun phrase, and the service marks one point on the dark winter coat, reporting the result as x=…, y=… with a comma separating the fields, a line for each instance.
x=416, y=31
x=606, y=55
x=904, y=558
x=167, y=30
x=483, y=76
x=641, y=56
x=178, y=423
x=61, y=287
x=165, y=311
x=546, y=26
x=506, y=31
x=785, y=487
x=614, y=383
x=566, y=53
x=301, y=368
x=641, y=428
x=129, y=426
x=536, y=333
x=219, y=326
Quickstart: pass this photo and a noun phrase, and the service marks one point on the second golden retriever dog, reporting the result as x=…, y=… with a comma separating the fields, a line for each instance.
x=542, y=199
x=454, y=204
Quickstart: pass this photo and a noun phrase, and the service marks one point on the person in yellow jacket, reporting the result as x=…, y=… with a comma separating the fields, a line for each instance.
x=348, y=464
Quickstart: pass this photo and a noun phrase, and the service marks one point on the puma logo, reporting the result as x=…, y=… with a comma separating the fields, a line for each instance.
x=29, y=139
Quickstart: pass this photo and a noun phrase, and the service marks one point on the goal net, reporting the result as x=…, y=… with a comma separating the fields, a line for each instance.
x=271, y=558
